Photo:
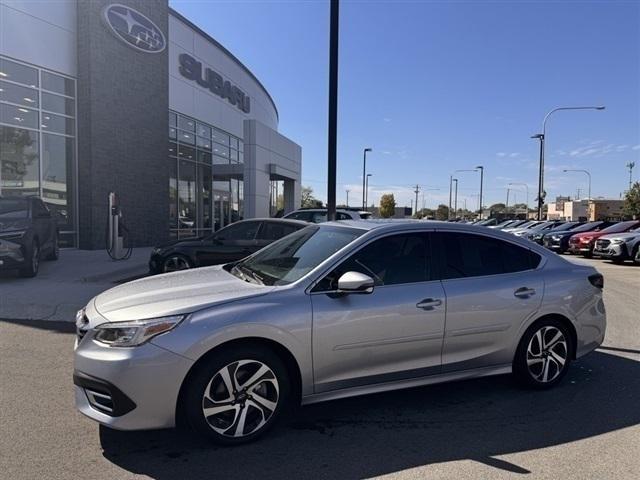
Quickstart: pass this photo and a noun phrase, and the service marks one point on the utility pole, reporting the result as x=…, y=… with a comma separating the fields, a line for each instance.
x=417, y=190
x=455, y=205
x=333, y=110
x=630, y=166
x=506, y=207
x=348, y=198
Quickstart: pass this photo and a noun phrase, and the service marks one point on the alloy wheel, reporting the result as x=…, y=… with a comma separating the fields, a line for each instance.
x=173, y=264
x=240, y=398
x=547, y=354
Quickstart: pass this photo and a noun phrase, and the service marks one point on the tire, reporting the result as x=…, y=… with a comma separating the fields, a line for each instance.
x=530, y=360
x=257, y=404
x=635, y=256
x=33, y=261
x=55, y=253
x=175, y=262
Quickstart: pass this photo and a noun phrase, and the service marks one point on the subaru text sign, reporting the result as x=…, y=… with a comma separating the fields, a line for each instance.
x=134, y=28
x=191, y=69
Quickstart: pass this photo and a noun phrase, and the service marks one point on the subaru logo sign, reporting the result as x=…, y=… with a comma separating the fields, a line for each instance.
x=134, y=28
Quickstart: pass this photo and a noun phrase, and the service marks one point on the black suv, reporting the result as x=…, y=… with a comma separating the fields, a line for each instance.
x=28, y=232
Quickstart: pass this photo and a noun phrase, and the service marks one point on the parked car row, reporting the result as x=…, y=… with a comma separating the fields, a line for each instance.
x=615, y=241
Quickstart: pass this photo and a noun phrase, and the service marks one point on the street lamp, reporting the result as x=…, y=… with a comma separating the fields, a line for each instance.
x=527, y=188
x=366, y=188
x=364, y=177
x=583, y=171
x=481, y=168
x=542, y=138
x=451, y=179
x=455, y=208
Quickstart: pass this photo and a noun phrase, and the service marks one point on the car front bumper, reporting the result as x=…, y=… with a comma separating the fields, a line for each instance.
x=11, y=255
x=133, y=388
x=615, y=251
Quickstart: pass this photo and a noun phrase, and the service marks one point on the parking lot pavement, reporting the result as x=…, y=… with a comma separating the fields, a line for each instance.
x=63, y=287
x=588, y=427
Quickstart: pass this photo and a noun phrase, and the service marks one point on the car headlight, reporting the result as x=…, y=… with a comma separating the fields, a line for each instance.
x=618, y=241
x=131, y=334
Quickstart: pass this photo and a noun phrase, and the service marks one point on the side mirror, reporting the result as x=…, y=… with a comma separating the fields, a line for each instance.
x=355, y=282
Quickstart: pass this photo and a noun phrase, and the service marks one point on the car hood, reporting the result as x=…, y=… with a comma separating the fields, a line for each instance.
x=592, y=234
x=173, y=294
x=613, y=236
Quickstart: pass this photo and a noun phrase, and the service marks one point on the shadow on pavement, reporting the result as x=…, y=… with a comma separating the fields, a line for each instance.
x=51, y=325
x=390, y=432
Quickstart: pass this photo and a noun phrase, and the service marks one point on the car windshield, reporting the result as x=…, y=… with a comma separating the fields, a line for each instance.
x=14, y=208
x=587, y=227
x=295, y=255
x=620, y=227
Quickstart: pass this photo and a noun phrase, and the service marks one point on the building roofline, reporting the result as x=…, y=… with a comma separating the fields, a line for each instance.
x=193, y=26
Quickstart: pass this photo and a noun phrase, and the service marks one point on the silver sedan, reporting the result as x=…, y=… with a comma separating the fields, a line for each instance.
x=331, y=311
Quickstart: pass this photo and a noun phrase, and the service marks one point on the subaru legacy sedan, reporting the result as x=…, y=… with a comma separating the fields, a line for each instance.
x=331, y=311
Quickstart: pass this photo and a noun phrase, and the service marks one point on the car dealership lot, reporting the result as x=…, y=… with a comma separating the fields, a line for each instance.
x=588, y=427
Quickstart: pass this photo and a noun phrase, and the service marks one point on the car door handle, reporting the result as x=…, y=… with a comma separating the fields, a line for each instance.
x=429, y=303
x=524, y=292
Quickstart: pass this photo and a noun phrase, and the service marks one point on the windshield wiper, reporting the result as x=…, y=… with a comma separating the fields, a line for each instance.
x=244, y=270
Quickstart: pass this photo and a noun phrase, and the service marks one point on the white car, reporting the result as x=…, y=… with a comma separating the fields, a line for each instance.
x=319, y=215
x=618, y=247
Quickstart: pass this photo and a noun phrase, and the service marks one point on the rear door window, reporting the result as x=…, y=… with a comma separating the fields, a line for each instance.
x=275, y=230
x=469, y=255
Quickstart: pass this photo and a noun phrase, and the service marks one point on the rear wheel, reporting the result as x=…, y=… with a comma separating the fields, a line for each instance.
x=32, y=261
x=237, y=395
x=55, y=251
x=635, y=256
x=173, y=263
x=543, y=355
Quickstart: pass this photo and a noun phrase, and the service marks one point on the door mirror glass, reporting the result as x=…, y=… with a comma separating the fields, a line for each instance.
x=355, y=282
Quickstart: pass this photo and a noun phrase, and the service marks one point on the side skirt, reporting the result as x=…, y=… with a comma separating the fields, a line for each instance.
x=411, y=383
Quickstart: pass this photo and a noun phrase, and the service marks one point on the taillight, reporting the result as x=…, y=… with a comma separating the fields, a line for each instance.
x=597, y=280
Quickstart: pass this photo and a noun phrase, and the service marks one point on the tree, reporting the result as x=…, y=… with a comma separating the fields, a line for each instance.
x=497, y=208
x=442, y=212
x=387, y=205
x=631, y=207
x=308, y=200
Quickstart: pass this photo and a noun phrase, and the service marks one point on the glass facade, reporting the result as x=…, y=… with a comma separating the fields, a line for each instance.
x=202, y=198
x=37, y=140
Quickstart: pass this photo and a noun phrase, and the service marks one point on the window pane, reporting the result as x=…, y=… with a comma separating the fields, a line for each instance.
x=58, y=104
x=20, y=116
x=239, y=231
x=233, y=142
x=185, y=137
x=222, y=186
x=389, y=261
x=173, y=193
x=468, y=255
x=233, y=156
x=185, y=123
x=56, y=123
x=204, y=196
x=173, y=149
x=203, y=142
x=18, y=73
x=18, y=94
x=172, y=120
x=274, y=230
x=19, y=165
x=241, y=145
x=220, y=137
x=57, y=182
x=172, y=133
x=204, y=157
x=220, y=160
x=185, y=152
x=187, y=195
x=240, y=157
x=221, y=151
x=204, y=131
x=57, y=83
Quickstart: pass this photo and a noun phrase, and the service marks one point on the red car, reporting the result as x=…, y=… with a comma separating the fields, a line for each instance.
x=583, y=242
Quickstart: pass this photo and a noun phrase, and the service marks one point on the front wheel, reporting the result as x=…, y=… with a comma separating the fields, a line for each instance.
x=237, y=395
x=175, y=262
x=543, y=355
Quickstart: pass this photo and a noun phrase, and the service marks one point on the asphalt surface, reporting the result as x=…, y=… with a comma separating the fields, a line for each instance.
x=588, y=427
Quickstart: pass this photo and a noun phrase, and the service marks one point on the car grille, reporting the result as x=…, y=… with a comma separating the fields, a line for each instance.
x=603, y=243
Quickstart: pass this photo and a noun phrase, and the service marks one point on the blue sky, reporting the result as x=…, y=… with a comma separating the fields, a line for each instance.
x=436, y=86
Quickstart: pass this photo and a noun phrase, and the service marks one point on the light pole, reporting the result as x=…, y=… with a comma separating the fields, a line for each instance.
x=630, y=166
x=451, y=179
x=527, y=189
x=506, y=207
x=366, y=186
x=364, y=177
x=481, y=168
x=455, y=208
x=348, y=198
x=588, y=175
x=542, y=138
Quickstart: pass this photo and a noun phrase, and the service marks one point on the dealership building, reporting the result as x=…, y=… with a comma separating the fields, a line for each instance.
x=133, y=98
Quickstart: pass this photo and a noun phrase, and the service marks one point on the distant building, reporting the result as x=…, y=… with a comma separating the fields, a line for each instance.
x=602, y=209
x=400, y=212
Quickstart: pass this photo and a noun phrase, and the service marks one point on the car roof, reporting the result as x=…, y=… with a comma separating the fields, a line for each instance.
x=290, y=221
